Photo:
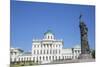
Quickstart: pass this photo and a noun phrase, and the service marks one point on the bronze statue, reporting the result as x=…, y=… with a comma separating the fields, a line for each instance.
x=84, y=36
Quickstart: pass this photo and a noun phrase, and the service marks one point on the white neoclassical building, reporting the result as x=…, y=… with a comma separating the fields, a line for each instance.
x=46, y=50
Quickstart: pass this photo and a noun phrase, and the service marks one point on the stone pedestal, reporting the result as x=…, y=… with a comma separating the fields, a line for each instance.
x=85, y=56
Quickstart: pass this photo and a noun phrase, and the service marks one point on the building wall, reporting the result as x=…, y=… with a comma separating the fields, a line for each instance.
x=46, y=50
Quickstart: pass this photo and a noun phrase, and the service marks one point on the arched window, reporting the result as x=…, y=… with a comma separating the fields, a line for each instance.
x=56, y=45
x=51, y=37
x=75, y=56
x=27, y=58
x=59, y=45
x=40, y=51
x=15, y=53
x=56, y=51
x=40, y=58
x=34, y=52
x=38, y=46
x=50, y=51
x=34, y=45
x=46, y=57
x=37, y=59
x=11, y=53
x=19, y=59
x=30, y=58
x=59, y=51
x=75, y=51
x=48, y=45
x=48, y=37
x=49, y=57
x=44, y=45
x=53, y=51
x=53, y=57
x=47, y=51
x=41, y=46
x=78, y=51
x=24, y=59
x=59, y=57
x=44, y=52
x=43, y=57
x=51, y=45
x=56, y=57
x=63, y=57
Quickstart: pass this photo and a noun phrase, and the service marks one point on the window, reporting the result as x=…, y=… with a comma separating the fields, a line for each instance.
x=41, y=52
x=46, y=57
x=59, y=57
x=24, y=58
x=59, y=45
x=33, y=59
x=56, y=45
x=56, y=51
x=37, y=59
x=78, y=51
x=40, y=57
x=30, y=58
x=59, y=51
x=47, y=51
x=11, y=53
x=75, y=51
x=51, y=37
x=48, y=45
x=51, y=45
x=34, y=45
x=48, y=37
x=50, y=51
x=37, y=52
x=53, y=51
x=41, y=46
x=44, y=51
x=43, y=57
x=15, y=53
x=19, y=59
x=75, y=56
x=53, y=57
x=34, y=51
x=63, y=57
x=44, y=45
x=37, y=45
x=56, y=57
x=49, y=57
x=27, y=58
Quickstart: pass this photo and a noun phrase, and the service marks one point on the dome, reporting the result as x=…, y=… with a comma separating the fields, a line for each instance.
x=48, y=35
x=48, y=32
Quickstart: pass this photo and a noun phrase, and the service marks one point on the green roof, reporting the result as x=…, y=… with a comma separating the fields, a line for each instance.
x=49, y=31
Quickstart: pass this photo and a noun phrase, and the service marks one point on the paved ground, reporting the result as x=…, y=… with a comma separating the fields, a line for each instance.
x=67, y=61
x=72, y=61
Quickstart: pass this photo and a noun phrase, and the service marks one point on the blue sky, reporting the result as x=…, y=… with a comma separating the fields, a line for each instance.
x=31, y=20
